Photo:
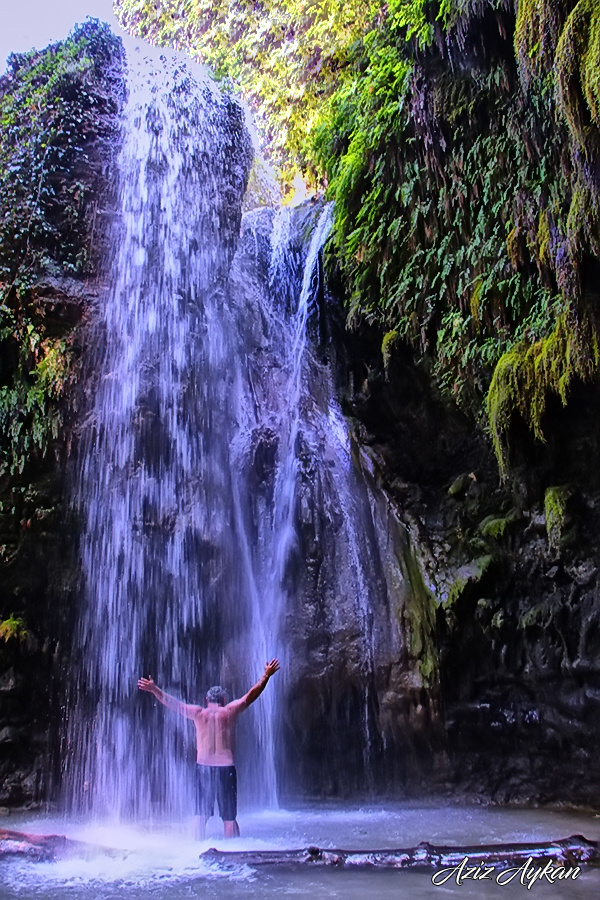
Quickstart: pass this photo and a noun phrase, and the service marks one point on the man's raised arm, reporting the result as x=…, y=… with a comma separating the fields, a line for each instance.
x=257, y=689
x=184, y=709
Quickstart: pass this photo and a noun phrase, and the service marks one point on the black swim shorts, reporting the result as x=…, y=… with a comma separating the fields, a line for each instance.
x=219, y=782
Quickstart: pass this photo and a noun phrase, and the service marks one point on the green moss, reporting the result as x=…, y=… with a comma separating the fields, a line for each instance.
x=495, y=526
x=460, y=485
x=13, y=629
x=513, y=248
x=475, y=304
x=528, y=372
x=543, y=239
x=578, y=75
x=420, y=610
x=583, y=223
x=467, y=575
x=555, y=507
x=538, y=27
x=456, y=591
x=389, y=342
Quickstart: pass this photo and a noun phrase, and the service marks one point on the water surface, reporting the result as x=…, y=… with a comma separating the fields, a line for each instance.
x=161, y=860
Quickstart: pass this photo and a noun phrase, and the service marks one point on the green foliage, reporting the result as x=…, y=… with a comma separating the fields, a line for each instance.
x=54, y=105
x=435, y=207
x=51, y=105
x=13, y=629
x=29, y=414
x=283, y=55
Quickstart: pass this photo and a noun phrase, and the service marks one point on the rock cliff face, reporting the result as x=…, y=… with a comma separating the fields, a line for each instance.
x=60, y=111
x=512, y=568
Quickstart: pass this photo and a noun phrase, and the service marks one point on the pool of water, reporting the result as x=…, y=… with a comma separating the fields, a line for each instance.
x=160, y=860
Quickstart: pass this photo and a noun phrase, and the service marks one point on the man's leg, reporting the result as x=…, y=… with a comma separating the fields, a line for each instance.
x=200, y=827
x=227, y=797
x=205, y=798
x=232, y=829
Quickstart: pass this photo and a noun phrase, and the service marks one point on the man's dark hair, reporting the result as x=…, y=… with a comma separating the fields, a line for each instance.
x=217, y=694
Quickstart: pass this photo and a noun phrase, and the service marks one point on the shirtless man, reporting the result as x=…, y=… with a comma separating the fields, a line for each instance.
x=215, y=746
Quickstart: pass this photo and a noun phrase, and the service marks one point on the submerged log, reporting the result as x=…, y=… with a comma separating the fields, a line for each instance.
x=571, y=851
x=38, y=847
x=44, y=847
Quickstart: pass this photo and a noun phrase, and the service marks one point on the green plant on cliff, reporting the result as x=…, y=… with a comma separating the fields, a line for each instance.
x=29, y=414
x=13, y=629
x=577, y=66
x=283, y=55
x=439, y=197
x=53, y=105
x=463, y=212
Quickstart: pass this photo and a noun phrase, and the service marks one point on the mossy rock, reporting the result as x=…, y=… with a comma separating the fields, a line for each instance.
x=537, y=30
x=460, y=485
x=469, y=574
x=419, y=612
x=529, y=372
x=13, y=629
x=495, y=526
x=388, y=345
x=556, y=500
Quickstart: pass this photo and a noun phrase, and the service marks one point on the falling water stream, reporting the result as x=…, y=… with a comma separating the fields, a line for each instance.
x=161, y=550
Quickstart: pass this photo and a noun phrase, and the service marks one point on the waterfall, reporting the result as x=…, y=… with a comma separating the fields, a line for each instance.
x=179, y=580
x=159, y=551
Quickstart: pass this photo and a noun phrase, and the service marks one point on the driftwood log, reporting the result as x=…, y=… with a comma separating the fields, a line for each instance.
x=572, y=851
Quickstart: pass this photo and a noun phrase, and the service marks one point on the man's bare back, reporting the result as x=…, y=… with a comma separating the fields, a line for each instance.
x=215, y=735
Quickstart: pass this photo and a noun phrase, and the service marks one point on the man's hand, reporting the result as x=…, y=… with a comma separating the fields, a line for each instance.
x=147, y=684
x=271, y=667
